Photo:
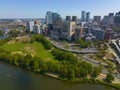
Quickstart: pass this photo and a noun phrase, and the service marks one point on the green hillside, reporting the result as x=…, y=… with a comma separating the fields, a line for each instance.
x=35, y=49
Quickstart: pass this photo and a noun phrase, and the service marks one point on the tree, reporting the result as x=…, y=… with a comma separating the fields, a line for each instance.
x=109, y=78
x=101, y=54
x=14, y=33
x=83, y=44
x=47, y=45
x=71, y=73
x=34, y=65
x=1, y=33
x=96, y=72
x=15, y=61
x=86, y=66
x=26, y=64
x=44, y=68
x=118, y=68
x=64, y=71
x=65, y=56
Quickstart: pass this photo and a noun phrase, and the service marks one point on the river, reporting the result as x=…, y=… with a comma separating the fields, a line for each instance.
x=12, y=78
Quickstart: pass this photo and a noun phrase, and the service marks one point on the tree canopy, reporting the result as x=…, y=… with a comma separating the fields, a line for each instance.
x=83, y=44
x=109, y=78
x=1, y=33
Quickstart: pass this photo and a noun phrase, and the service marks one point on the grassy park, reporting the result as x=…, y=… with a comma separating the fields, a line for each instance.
x=35, y=49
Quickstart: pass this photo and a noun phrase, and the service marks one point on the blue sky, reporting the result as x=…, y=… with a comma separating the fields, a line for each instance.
x=38, y=8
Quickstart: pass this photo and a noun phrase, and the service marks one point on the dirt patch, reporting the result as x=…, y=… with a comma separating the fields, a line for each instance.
x=23, y=39
x=101, y=76
x=11, y=42
x=31, y=50
x=17, y=52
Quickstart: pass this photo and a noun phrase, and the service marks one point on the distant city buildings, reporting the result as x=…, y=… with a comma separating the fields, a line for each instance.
x=108, y=34
x=36, y=29
x=98, y=33
x=55, y=32
x=105, y=20
x=74, y=18
x=68, y=18
x=117, y=18
x=108, y=19
x=73, y=29
x=65, y=31
x=97, y=19
x=50, y=17
x=68, y=30
x=29, y=26
x=79, y=33
x=33, y=26
x=83, y=16
x=87, y=16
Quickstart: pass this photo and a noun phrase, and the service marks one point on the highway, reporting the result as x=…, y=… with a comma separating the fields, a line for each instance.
x=94, y=61
x=114, y=53
x=83, y=51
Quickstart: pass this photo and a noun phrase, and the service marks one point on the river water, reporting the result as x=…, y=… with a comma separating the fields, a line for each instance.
x=12, y=78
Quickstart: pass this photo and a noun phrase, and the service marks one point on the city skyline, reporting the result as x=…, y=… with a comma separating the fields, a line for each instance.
x=38, y=8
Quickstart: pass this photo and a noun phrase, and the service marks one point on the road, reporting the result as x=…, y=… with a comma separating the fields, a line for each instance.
x=83, y=51
x=94, y=62
x=114, y=53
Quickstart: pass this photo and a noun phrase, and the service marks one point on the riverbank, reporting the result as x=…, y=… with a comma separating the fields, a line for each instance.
x=83, y=80
x=14, y=78
x=75, y=80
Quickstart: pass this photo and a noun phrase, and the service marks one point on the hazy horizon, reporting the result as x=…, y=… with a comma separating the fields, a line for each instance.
x=38, y=8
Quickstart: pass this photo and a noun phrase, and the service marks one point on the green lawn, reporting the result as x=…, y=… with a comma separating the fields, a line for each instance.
x=35, y=49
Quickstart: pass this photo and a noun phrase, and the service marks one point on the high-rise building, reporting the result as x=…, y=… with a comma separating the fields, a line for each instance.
x=68, y=30
x=78, y=33
x=49, y=17
x=37, y=22
x=74, y=18
x=83, y=16
x=68, y=18
x=97, y=19
x=98, y=33
x=111, y=14
x=108, y=33
x=57, y=21
x=36, y=29
x=55, y=16
x=105, y=20
x=29, y=26
x=55, y=33
x=109, y=19
x=87, y=16
x=118, y=13
x=117, y=18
